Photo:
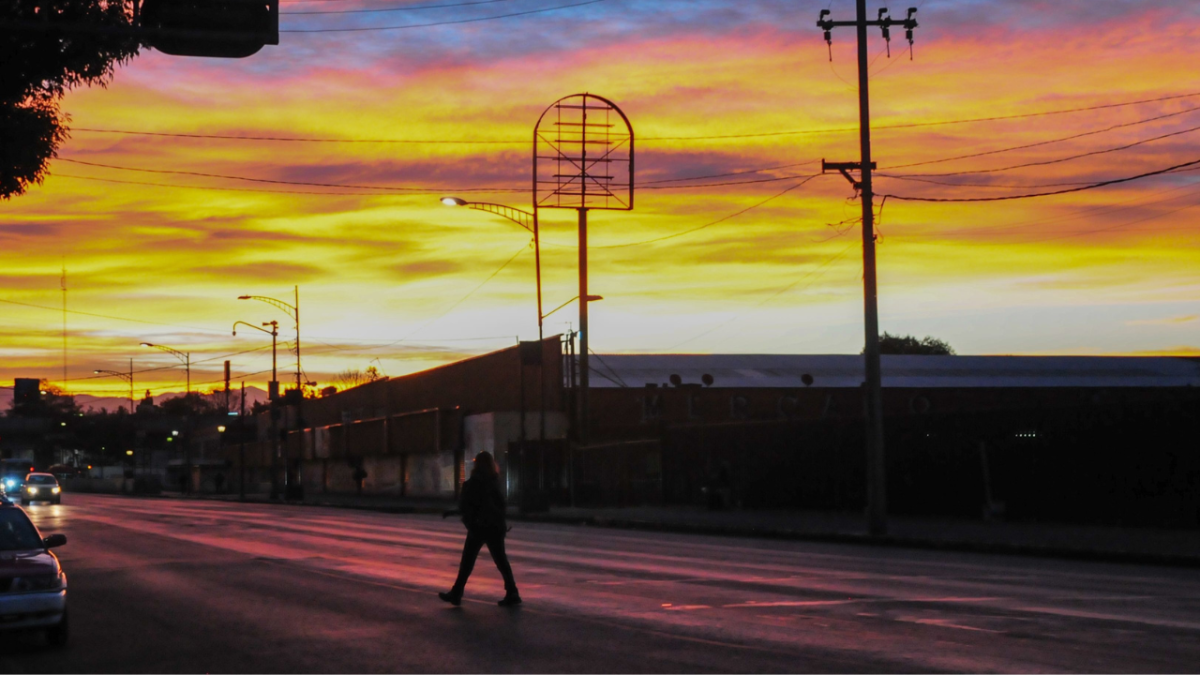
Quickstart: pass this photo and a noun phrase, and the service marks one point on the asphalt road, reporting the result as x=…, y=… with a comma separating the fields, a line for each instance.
x=165, y=585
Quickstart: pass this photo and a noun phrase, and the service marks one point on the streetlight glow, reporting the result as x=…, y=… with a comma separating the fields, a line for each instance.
x=454, y=201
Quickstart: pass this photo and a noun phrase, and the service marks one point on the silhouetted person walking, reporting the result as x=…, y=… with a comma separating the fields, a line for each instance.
x=483, y=512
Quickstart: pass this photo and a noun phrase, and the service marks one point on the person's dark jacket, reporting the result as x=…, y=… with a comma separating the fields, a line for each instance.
x=482, y=504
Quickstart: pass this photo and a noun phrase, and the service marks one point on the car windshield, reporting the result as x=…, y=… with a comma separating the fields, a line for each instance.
x=16, y=532
x=41, y=480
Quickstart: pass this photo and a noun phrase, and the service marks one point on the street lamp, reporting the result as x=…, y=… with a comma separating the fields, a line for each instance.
x=525, y=219
x=273, y=388
x=128, y=377
x=294, y=311
x=529, y=221
x=184, y=357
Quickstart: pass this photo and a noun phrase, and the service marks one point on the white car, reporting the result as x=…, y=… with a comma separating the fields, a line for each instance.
x=41, y=487
x=33, y=587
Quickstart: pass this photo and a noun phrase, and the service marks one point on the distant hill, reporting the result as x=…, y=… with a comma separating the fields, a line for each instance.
x=111, y=403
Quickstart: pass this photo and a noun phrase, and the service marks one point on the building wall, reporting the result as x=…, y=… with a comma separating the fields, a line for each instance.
x=407, y=433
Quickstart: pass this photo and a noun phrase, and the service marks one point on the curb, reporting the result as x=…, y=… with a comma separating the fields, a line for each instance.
x=890, y=541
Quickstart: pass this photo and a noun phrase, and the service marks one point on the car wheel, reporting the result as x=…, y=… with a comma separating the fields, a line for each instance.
x=57, y=635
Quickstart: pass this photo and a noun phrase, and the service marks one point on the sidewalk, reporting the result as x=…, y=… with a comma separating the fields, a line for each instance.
x=1082, y=542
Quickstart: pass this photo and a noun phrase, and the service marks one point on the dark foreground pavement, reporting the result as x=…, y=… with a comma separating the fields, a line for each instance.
x=192, y=586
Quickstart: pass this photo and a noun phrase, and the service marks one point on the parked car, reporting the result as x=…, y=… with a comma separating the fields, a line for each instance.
x=41, y=487
x=33, y=587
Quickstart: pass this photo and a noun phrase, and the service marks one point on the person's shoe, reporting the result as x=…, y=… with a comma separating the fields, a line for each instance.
x=454, y=598
x=510, y=600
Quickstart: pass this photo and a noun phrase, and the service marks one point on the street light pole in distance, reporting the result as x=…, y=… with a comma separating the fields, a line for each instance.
x=272, y=396
x=294, y=311
x=529, y=221
x=184, y=357
x=128, y=377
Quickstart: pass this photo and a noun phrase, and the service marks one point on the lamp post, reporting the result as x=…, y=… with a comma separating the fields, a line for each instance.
x=272, y=394
x=273, y=387
x=529, y=221
x=294, y=311
x=128, y=377
x=184, y=357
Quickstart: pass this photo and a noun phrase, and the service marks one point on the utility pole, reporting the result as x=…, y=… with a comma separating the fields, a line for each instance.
x=876, y=472
x=63, y=284
x=242, y=446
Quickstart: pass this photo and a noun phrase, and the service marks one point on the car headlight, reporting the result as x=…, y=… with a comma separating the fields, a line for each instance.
x=56, y=490
x=39, y=582
x=33, y=491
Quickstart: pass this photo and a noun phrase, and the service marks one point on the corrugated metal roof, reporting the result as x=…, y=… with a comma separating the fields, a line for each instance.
x=846, y=370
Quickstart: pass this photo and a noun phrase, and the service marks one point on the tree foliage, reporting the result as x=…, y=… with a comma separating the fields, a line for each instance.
x=48, y=47
x=348, y=379
x=193, y=404
x=907, y=344
x=52, y=402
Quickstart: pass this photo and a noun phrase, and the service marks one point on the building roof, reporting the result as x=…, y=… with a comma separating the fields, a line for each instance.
x=847, y=370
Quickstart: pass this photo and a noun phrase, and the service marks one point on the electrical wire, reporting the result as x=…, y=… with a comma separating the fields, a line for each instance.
x=771, y=297
x=200, y=174
x=1090, y=186
x=440, y=23
x=1059, y=160
x=393, y=9
x=1049, y=142
x=465, y=297
x=233, y=189
x=644, y=139
x=720, y=220
x=108, y=316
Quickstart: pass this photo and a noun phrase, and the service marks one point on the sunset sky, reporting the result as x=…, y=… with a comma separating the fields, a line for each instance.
x=156, y=252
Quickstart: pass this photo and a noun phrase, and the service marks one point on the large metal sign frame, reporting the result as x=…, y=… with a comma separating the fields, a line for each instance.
x=583, y=155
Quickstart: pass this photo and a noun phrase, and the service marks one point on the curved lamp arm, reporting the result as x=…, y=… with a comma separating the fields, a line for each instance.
x=183, y=357
x=268, y=332
x=278, y=304
x=124, y=376
x=523, y=218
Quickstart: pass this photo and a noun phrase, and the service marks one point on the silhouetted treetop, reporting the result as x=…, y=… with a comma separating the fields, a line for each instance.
x=907, y=344
x=38, y=66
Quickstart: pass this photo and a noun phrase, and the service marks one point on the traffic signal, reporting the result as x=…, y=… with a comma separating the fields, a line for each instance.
x=230, y=29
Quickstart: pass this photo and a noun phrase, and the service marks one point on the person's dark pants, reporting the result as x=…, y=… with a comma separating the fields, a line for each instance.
x=495, y=544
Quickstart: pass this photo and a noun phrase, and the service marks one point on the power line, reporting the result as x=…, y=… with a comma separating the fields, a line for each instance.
x=1049, y=142
x=1063, y=159
x=286, y=139
x=464, y=298
x=773, y=197
x=390, y=190
x=393, y=9
x=916, y=125
x=771, y=297
x=723, y=175
x=1091, y=186
x=233, y=189
x=439, y=23
x=108, y=316
x=199, y=174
